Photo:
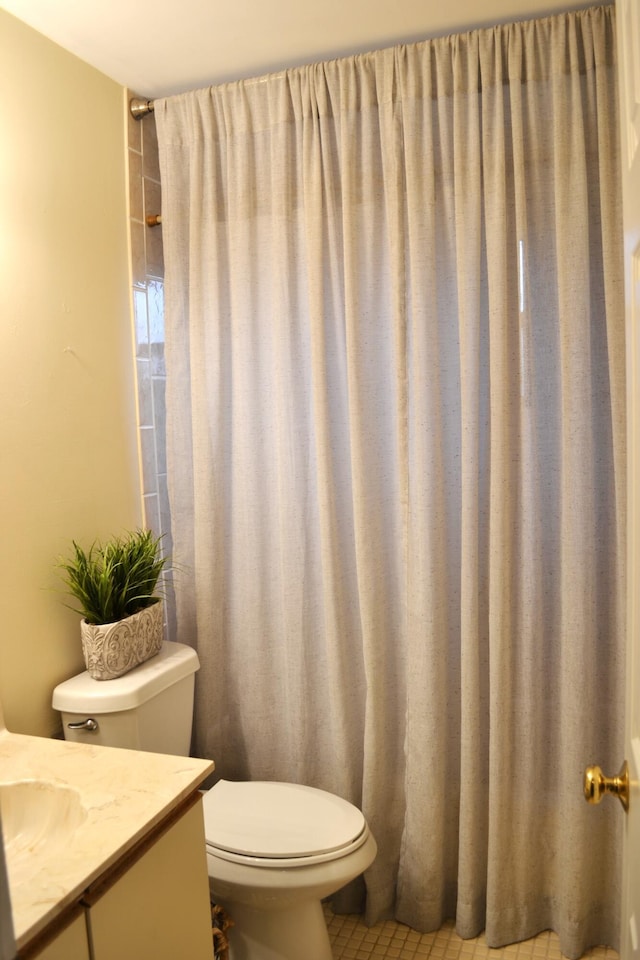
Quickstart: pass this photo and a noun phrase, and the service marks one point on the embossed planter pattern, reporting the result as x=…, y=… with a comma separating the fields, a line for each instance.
x=111, y=649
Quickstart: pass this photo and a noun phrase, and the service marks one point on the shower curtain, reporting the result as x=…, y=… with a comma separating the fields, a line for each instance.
x=395, y=437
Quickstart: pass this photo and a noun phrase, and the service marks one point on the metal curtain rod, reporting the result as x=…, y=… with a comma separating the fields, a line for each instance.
x=140, y=108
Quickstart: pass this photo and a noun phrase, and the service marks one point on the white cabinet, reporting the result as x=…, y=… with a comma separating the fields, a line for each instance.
x=151, y=905
x=155, y=905
x=68, y=943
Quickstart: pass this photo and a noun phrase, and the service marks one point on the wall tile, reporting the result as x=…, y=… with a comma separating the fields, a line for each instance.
x=155, y=252
x=141, y=319
x=152, y=515
x=152, y=199
x=149, y=462
x=145, y=393
x=151, y=164
x=135, y=185
x=138, y=256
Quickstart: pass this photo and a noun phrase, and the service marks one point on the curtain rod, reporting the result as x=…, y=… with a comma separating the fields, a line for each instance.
x=140, y=108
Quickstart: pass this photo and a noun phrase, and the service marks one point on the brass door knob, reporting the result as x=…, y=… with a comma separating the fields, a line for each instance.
x=596, y=785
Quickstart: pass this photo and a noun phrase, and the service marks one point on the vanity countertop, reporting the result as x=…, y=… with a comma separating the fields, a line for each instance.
x=124, y=793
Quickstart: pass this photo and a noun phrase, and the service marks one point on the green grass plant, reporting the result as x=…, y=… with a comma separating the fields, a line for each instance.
x=113, y=580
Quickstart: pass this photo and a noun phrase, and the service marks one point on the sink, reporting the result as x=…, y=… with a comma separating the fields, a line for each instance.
x=38, y=818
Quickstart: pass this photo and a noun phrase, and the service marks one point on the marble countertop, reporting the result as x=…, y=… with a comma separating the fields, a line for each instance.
x=124, y=794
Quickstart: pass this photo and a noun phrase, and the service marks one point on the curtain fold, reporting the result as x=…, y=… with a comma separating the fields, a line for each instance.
x=395, y=445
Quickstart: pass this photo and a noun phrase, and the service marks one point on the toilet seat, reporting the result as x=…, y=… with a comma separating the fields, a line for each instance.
x=272, y=824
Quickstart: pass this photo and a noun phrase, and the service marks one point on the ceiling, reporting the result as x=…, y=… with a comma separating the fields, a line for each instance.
x=161, y=47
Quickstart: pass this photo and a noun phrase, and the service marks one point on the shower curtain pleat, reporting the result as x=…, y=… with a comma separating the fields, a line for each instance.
x=396, y=463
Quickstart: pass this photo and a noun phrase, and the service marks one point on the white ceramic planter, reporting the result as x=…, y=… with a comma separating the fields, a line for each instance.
x=111, y=649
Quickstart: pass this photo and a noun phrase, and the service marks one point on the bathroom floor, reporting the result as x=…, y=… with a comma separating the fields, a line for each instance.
x=352, y=940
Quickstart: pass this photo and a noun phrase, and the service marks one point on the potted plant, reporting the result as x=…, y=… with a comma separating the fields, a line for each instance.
x=122, y=615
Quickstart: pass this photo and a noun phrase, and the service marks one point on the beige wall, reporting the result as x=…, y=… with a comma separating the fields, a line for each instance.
x=68, y=449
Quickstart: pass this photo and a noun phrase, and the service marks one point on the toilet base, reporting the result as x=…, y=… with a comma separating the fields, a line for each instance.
x=296, y=932
x=277, y=909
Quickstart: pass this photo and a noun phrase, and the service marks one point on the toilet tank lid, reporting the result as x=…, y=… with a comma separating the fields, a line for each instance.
x=83, y=694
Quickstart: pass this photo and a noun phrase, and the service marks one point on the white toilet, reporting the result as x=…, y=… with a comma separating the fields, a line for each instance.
x=274, y=850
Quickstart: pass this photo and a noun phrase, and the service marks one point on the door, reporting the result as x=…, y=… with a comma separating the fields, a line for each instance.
x=628, y=31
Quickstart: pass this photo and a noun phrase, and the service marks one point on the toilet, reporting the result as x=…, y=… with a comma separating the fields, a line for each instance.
x=274, y=850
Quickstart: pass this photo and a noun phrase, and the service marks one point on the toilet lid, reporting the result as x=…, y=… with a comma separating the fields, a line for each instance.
x=278, y=820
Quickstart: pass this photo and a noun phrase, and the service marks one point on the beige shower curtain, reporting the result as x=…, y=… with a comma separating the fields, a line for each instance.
x=395, y=406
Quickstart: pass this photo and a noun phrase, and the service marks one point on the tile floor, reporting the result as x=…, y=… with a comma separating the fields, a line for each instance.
x=388, y=940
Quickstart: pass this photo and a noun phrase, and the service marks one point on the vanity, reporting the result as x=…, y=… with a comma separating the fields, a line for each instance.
x=105, y=851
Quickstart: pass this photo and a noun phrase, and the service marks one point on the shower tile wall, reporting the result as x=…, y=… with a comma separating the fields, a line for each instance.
x=148, y=304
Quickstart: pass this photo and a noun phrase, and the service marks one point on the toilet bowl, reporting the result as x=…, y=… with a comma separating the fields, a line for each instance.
x=274, y=850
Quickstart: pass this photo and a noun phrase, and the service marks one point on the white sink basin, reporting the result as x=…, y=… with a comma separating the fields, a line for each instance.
x=38, y=819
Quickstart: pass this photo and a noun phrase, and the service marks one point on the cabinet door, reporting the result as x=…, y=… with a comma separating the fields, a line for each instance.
x=159, y=909
x=69, y=944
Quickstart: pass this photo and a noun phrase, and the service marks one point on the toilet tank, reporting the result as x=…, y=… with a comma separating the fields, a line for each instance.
x=150, y=708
